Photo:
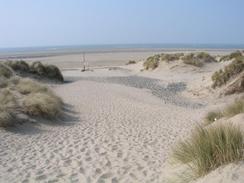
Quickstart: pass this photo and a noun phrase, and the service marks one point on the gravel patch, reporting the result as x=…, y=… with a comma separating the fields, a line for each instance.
x=168, y=93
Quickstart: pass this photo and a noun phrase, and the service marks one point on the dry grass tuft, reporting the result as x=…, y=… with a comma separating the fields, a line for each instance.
x=8, y=105
x=27, y=86
x=42, y=105
x=207, y=149
x=5, y=71
x=25, y=96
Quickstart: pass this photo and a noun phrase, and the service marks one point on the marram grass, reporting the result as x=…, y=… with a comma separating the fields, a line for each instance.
x=209, y=148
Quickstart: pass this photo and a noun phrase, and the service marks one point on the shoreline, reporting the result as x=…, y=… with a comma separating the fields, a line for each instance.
x=27, y=54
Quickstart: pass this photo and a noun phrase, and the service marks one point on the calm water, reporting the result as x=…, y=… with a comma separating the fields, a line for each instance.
x=49, y=50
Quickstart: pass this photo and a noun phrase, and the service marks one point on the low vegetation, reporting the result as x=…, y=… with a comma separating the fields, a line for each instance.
x=198, y=59
x=221, y=77
x=213, y=116
x=171, y=57
x=231, y=56
x=27, y=86
x=42, y=104
x=5, y=71
x=209, y=148
x=231, y=110
x=36, y=69
x=235, y=108
x=8, y=104
x=25, y=96
x=153, y=61
x=131, y=62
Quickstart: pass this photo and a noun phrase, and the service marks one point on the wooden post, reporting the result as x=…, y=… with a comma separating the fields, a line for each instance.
x=84, y=62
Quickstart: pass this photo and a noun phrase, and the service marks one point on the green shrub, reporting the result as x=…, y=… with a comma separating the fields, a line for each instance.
x=207, y=149
x=42, y=105
x=231, y=56
x=221, y=77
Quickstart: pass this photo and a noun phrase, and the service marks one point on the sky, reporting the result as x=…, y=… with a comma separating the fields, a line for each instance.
x=25, y=23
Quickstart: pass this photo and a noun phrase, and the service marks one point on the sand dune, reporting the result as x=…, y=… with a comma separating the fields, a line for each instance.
x=121, y=127
x=123, y=134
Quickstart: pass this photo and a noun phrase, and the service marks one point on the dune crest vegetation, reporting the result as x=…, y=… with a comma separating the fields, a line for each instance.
x=231, y=56
x=23, y=99
x=152, y=62
x=36, y=69
x=195, y=59
x=198, y=59
x=221, y=77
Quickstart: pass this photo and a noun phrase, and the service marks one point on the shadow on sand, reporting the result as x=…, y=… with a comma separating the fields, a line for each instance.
x=68, y=118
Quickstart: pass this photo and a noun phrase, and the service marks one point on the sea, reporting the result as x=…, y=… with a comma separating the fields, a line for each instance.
x=70, y=49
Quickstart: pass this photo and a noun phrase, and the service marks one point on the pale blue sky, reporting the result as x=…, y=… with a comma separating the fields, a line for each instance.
x=69, y=22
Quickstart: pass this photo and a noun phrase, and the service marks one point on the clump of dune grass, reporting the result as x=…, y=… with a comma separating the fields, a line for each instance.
x=42, y=105
x=36, y=69
x=18, y=66
x=152, y=62
x=171, y=57
x=231, y=56
x=213, y=116
x=8, y=105
x=27, y=86
x=198, y=59
x=27, y=97
x=49, y=71
x=221, y=77
x=131, y=62
x=209, y=148
x=5, y=71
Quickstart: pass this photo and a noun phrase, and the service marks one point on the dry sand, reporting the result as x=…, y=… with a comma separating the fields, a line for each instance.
x=121, y=127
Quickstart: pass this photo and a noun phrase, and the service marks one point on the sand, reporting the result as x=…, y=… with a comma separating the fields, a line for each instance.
x=121, y=125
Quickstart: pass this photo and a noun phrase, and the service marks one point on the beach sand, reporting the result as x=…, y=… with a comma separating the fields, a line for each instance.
x=121, y=123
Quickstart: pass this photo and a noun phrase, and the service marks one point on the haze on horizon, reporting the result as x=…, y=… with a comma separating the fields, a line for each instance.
x=78, y=22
